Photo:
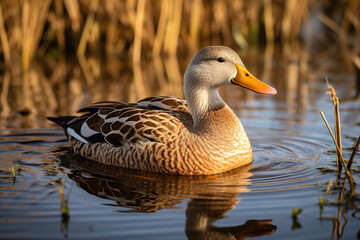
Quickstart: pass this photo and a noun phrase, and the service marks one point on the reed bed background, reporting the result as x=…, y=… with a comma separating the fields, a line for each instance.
x=51, y=42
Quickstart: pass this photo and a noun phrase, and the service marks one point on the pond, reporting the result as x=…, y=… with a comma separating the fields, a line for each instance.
x=294, y=159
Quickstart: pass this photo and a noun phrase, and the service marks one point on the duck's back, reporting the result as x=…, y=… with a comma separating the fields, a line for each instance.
x=155, y=119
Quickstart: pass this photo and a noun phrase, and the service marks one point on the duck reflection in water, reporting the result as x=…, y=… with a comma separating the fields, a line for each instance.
x=210, y=196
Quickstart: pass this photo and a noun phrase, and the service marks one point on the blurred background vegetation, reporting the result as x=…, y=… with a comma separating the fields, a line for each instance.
x=56, y=55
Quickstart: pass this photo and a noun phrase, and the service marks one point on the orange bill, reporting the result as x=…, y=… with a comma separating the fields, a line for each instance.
x=245, y=79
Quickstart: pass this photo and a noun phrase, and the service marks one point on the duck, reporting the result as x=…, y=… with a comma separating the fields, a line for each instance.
x=198, y=135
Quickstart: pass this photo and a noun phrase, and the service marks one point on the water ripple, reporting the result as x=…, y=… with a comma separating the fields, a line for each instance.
x=285, y=160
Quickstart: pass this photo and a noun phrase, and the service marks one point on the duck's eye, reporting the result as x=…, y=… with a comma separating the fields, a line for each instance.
x=220, y=59
x=246, y=74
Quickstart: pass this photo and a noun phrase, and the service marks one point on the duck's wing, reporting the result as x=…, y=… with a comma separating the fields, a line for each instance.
x=152, y=119
x=171, y=104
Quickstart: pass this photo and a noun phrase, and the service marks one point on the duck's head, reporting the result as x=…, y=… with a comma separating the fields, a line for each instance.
x=211, y=68
x=214, y=66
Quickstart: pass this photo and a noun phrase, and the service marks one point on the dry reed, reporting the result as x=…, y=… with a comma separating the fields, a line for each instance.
x=337, y=138
x=50, y=31
x=4, y=40
x=337, y=126
x=138, y=35
x=166, y=22
x=342, y=161
x=168, y=25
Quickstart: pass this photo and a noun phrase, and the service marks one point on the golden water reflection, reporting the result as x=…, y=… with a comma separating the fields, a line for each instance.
x=66, y=86
x=56, y=56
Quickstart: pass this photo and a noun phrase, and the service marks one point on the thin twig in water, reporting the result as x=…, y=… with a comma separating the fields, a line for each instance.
x=353, y=153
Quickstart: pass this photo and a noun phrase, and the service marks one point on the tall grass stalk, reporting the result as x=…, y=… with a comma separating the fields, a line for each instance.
x=50, y=30
x=337, y=127
x=338, y=149
x=4, y=40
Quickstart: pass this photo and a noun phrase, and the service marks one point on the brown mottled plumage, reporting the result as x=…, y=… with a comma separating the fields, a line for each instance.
x=199, y=136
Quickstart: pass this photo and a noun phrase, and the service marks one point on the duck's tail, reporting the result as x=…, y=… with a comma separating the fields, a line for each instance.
x=71, y=126
x=61, y=121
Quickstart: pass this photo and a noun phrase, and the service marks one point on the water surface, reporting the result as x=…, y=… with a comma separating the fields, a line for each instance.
x=290, y=143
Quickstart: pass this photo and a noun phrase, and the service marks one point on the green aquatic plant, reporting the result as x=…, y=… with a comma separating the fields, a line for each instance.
x=326, y=170
x=64, y=208
x=56, y=181
x=331, y=151
x=52, y=171
x=13, y=172
x=321, y=203
x=18, y=169
x=321, y=207
x=294, y=214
